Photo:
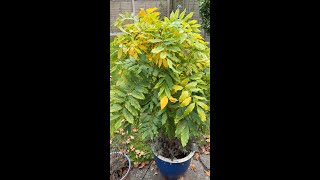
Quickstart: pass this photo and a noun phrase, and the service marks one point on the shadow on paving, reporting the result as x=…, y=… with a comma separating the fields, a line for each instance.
x=153, y=173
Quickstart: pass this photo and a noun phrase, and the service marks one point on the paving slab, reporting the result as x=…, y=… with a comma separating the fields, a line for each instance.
x=153, y=173
x=206, y=160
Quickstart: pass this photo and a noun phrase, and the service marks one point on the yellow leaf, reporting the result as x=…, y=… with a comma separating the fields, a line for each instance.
x=142, y=12
x=185, y=81
x=165, y=63
x=203, y=105
x=201, y=114
x=156, y=13
x=135, y=55
x=176, y=88
x=131, y=51
x=142, y=47
x=119, y=53
x=172, y=99
x=186, y=102
x=183, y=96
x=160, y=62
x=150, y=10
x=163, y=102
x=200, y=66
x=207, y=172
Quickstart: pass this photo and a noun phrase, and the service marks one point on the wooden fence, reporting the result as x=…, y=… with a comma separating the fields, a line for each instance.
x=164, y=7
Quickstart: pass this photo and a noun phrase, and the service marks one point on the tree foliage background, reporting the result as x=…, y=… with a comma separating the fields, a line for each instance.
x=205, y=15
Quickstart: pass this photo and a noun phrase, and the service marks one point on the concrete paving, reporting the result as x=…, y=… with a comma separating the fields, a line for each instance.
x=153, y=172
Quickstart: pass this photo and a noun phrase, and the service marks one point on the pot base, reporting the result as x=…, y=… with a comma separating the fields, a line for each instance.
x=172, y=170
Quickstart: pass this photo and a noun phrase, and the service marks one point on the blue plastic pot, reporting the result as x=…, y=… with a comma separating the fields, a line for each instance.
x=172, y=170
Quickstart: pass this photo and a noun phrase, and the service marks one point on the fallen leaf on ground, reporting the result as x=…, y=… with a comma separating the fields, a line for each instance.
x=136, y=164
x=153, y=162
x=196, y=156
x=156, y=173
x=193, y=167
x=135, y=130
x=141, y=165
x=207, y=172
x=131, y=137
x=110, y=141
x=208, y=140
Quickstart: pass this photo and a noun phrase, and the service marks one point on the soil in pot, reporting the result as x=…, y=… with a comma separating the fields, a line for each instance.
x=171, y=148
x=119, y=166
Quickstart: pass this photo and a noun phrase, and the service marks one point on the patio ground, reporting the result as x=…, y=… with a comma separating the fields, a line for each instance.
x=195, y=171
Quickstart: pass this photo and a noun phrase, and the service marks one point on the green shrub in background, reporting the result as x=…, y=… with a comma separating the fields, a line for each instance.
x=205, y=15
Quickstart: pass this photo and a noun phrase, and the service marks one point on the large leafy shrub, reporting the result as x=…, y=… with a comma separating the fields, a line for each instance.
x=160, y=76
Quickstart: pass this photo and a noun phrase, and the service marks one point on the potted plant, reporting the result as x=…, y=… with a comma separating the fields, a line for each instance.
x=120, y=166
x=160, y=85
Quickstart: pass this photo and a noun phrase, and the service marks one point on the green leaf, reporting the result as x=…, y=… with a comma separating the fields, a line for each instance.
x=114, y=117
x=127, y=116
x=174, y=48
x=196, y=76
x=201, y=114
x=169, y=81
x=164, y=118
x=137, y=94
x=176, y=14
x=189, y=109
x=172, y=16
x=200, y=97
x=185, y=136
x=179, y=115
x=117, y=100
x=177, y=87
x=167, y=91
x=196, y=25
x=183, y=38
x=196, y=117
x=131, y=108
x=169, y=63
x=183, y=96
x=115, y=108
x=192, y=22
x=159, y=83
x=154, y=40
x=163, y=55
x=191, y=85
x=182, y=14
x=141, y=89
x=180, y=128
x=175, y=76
x=117, y=125
x=157, y=50
x=188, y=16
x=185, y=81
x=161, y=91
x=134, y=103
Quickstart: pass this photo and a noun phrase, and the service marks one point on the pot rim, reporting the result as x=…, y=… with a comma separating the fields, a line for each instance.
x=120, y=153
x=176, y=160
